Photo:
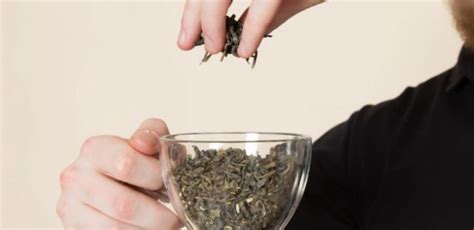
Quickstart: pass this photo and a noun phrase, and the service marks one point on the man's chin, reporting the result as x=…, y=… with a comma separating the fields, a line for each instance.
x=463, y=12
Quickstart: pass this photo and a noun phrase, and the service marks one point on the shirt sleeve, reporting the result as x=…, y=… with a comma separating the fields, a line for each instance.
x=327, y=202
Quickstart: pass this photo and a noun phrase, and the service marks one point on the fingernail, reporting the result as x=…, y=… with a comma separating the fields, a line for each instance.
x=182, y=37
x=149, y=138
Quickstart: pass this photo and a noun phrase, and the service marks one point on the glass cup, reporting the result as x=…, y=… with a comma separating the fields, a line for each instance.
x=235, y=180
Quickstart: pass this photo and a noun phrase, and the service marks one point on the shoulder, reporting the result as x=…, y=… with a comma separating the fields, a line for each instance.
x=384, y=120
x=376, y=125
x=351, y=157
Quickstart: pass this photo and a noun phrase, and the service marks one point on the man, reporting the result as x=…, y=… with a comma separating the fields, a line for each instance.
x=403, y=164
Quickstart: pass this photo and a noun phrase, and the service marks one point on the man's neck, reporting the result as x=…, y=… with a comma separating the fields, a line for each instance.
x=469, y=45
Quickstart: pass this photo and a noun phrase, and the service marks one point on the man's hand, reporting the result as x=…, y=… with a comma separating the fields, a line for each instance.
x=260, y=18
x=97, y=188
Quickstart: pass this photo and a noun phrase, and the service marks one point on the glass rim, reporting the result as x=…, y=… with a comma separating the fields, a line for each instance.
x=289, y=137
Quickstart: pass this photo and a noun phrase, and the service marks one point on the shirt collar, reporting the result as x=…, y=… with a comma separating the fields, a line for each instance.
x=464, y=69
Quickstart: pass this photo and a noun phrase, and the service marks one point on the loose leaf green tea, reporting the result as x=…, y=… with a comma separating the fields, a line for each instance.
x=232, y=40
x=228, y=189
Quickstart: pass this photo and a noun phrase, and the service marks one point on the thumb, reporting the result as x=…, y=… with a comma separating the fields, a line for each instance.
x=146, y=138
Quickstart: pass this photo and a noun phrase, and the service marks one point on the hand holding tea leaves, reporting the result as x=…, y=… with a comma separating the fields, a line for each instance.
x=208, y=18
x=232, y=40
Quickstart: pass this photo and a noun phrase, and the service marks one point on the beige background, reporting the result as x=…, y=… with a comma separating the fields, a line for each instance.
x=72, y=70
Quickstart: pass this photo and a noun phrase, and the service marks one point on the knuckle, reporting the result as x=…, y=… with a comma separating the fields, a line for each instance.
x=126, y=165
x=89, y=145
x=96, y=146
x=124, y=207
x=68, y=175
x=61, y=207
x=159, y=122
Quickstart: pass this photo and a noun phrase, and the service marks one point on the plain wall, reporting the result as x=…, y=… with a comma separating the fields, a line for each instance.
x=72, y=70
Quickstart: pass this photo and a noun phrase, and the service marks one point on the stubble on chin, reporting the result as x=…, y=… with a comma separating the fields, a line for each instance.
x=463, y=13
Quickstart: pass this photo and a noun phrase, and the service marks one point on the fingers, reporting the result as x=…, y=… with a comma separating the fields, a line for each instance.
x=190, y=25
x=261, y=17
x=213, y=21
x=114, y=157
x=289, y=8
x=118, y=201
x=78, y=215
x=97, y=188
x=208, y=16
x=257, y=21
x=146, y=138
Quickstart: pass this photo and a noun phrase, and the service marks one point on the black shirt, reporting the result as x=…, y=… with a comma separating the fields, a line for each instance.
x=403, y=164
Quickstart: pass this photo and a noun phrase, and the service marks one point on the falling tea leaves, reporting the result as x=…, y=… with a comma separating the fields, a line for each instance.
x=232, y=40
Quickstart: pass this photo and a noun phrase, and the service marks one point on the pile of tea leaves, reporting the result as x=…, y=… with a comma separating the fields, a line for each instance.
x=228, y=189
x=232, y=40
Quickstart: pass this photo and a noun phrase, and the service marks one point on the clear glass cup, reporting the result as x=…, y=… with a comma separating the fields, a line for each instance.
x=235, y=180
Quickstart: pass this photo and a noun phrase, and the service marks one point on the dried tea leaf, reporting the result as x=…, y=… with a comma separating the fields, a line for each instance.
x=232, y=40
x=228, y=189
